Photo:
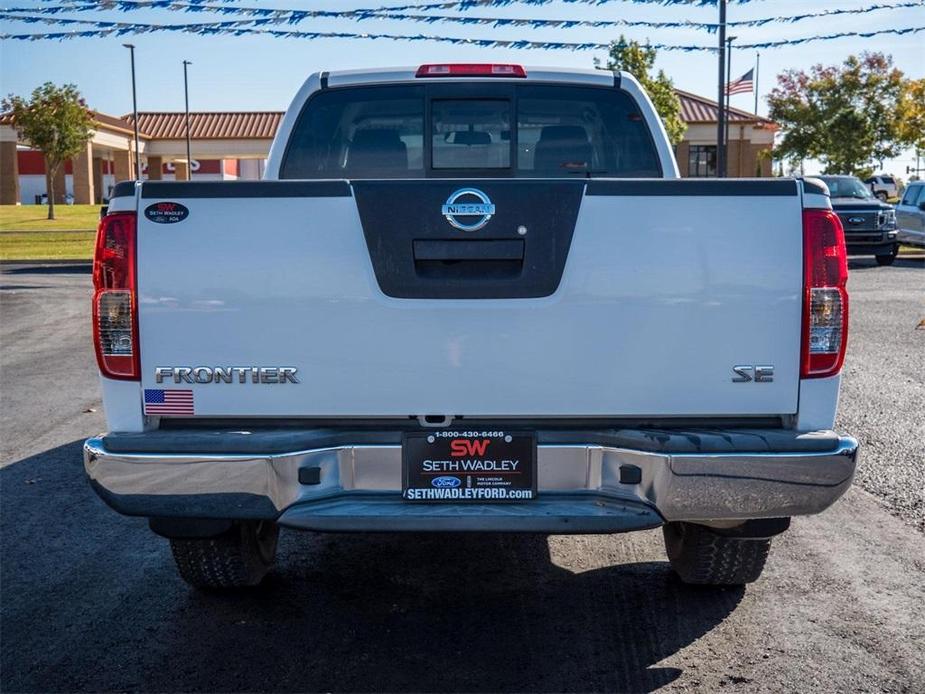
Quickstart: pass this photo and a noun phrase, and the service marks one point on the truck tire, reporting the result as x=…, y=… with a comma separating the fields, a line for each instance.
x=887, y=259
x=237, y=558
x=703, y=557
x=881, y=195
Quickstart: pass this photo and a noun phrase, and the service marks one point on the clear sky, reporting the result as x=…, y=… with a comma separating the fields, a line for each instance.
x=257, y=73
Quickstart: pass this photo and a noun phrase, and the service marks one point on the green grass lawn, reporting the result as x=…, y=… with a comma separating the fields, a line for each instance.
x=47, y=245
x=50, y=244
x=35, y=217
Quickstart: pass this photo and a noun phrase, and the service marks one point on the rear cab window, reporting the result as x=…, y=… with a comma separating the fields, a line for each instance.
x=470, y=130
x=369, y=133
x=470, y=134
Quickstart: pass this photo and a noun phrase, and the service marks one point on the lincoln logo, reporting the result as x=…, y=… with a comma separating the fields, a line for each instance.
x=460, y=448
x=468, y=202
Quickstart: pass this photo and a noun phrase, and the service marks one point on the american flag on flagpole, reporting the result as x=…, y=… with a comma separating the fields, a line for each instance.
x=743, y=85
x=159, y=401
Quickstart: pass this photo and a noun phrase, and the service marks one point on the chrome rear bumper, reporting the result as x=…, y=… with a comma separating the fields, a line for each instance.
x=580, y=488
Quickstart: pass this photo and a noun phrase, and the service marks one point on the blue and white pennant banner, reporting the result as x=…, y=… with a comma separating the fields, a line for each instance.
x=247, y=27
x=401, y=13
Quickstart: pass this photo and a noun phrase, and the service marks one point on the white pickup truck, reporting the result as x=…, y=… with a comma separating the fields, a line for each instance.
x=470, y=298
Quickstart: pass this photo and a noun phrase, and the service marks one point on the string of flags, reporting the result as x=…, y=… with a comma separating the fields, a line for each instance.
x=246, y=27
x=258, y=20
x=440, y=5
x=293, y=17
x=229, y=7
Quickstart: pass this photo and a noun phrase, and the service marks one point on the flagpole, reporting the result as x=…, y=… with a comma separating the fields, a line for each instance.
x=757, y=63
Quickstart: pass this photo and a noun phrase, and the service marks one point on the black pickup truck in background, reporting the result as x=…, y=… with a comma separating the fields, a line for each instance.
x=870, y=224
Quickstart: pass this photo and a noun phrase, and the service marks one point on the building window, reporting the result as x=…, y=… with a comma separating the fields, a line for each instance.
x=702, y=161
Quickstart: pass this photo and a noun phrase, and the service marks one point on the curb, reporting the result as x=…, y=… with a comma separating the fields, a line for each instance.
x=46, y=231
x=48, y=261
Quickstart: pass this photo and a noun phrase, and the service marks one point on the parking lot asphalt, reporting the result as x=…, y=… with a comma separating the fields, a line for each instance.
x=89, y=600
x=882, y=400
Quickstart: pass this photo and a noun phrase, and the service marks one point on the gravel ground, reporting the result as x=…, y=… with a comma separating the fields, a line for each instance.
x=90, y=600
x=883, y=388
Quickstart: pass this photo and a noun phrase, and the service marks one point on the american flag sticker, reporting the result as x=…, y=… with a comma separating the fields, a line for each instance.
x=159, y=401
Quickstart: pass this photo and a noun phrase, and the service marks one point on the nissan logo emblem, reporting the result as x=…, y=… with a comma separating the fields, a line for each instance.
x=468, y=202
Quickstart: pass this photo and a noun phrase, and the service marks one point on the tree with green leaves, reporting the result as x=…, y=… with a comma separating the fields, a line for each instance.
x=848, y=116
x=639, y=61
x=56, y=121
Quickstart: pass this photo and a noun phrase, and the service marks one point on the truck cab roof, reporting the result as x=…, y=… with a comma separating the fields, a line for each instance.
x=443, y=77
x=458, y=71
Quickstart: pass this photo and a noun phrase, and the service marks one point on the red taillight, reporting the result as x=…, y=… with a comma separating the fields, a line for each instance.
x=115, y=301
x=825, y=299
x=471, y=70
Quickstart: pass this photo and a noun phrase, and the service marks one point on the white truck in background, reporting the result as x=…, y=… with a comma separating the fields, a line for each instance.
x=470, y=298
x=883, y=187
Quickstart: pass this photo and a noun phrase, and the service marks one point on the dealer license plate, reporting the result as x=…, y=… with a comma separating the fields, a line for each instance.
x=463, y=466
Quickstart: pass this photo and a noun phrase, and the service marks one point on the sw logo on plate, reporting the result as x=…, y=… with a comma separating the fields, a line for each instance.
x=166, y=212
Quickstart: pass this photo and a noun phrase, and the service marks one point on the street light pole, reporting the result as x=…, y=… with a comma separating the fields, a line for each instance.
x=721, y=88
x=189, y=157
x=729, y=40
x=131, y=48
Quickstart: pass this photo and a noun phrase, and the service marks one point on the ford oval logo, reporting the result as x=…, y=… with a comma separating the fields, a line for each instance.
x=468, y=202
x=855, y=220
x=445, y=482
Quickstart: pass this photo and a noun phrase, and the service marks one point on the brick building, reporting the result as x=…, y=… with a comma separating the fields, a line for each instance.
x=224, y=146
x=750, y=140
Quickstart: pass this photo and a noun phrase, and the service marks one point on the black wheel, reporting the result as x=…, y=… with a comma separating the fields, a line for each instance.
x=236, y=558
x=701, y=556
x=881, y=196
x=889, y=258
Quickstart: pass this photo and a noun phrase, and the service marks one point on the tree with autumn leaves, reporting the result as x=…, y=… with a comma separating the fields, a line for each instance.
x=912, y=106
x=848, y=116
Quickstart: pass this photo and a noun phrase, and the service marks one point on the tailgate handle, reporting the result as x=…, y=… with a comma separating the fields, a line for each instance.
x=482, y=249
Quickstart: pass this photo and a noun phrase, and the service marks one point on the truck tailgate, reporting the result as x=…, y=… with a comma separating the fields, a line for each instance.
x=632, y=298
